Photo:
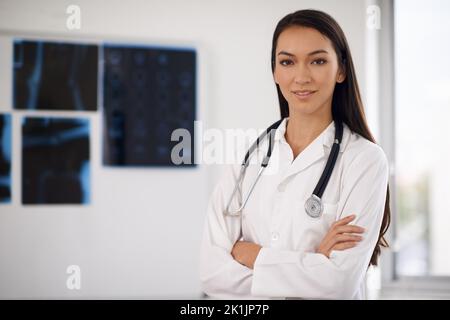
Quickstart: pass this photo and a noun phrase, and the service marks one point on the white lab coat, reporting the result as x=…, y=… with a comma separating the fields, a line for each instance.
x=275, y=218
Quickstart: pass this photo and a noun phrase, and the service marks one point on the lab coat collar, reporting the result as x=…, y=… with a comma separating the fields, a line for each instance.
x=315, y=151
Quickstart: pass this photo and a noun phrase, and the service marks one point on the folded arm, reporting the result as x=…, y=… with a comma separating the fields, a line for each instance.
x=286, y=273
x=220, y=274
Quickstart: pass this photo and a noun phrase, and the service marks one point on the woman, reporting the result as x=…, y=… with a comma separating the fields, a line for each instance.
x=275, y=248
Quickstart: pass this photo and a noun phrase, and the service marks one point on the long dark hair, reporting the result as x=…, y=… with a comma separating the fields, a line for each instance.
x=347, y=105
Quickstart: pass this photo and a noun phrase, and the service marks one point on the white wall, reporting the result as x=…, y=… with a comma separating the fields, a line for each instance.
x=140, y=235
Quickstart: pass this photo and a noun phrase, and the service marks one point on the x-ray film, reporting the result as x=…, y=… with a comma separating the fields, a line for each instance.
x=5, y=158
x=55, y=76
x=147, y=94
x=55, y=160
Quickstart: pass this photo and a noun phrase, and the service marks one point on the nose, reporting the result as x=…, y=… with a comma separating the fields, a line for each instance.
x=303, y=75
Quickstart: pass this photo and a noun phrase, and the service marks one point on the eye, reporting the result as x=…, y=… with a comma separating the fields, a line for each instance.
x=319, y=61
x=282, y=62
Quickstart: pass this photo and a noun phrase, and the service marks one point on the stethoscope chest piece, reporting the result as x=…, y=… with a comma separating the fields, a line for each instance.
x=313, y=206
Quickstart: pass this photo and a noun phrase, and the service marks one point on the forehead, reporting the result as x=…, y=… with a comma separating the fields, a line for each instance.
x=301, y=41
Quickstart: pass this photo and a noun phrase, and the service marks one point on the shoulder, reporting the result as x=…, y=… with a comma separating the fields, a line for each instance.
x=362, y=153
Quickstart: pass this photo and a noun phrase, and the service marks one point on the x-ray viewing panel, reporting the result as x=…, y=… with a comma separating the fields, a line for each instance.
x=55, y=76
x=147, y=93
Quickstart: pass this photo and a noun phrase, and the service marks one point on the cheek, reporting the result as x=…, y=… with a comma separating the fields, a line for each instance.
x=283, y=78
x=325, y=78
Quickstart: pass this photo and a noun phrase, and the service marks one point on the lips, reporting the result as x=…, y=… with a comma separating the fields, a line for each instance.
x=302, y=94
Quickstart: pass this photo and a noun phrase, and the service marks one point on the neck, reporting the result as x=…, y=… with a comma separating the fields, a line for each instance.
x=303, y=129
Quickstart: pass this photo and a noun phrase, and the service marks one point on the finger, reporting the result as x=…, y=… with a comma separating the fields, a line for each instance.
x=347, y=237
x=344, y=245
x=342, y=238
x=349, y=229
x=328, y=241
x=345, y=220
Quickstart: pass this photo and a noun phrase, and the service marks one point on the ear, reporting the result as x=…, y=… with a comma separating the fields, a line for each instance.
x=275, y=78
x=340, y=75
x=274, y=73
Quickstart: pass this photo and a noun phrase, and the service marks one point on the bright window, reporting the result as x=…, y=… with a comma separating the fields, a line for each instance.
x=422, y=121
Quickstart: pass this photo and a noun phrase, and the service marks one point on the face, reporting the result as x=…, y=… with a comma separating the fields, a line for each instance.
x=307, y=70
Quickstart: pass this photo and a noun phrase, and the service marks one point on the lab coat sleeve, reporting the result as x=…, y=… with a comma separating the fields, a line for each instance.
x=221, y=276
x=285, y=273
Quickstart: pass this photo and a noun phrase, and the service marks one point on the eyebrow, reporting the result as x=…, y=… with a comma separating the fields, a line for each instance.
x=309, y=54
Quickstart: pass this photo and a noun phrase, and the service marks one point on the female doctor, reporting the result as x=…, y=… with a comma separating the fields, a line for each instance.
x=299, y=230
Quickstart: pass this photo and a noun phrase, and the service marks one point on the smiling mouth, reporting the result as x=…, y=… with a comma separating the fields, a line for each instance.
x=304, y=94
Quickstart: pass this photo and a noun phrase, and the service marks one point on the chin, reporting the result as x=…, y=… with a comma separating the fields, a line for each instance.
x=306, y=108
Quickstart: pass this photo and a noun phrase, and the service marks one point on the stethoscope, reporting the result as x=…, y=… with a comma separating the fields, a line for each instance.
x=313, y=205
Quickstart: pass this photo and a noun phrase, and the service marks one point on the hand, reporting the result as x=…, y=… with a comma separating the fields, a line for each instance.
x=245, y=253
x=340, y=236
